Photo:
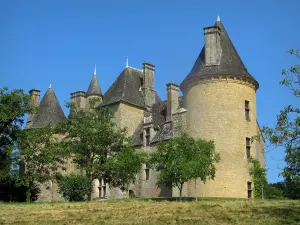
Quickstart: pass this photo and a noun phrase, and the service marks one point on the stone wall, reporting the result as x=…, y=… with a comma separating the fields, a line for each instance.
x=216, y=111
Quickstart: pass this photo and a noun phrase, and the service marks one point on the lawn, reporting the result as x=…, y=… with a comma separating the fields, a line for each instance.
x=204, y=211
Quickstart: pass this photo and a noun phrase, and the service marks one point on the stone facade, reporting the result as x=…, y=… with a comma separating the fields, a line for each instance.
x=218, y=103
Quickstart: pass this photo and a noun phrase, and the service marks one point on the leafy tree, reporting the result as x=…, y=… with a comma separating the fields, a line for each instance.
x=41, y=157
x=286, y=133
x=13, y=106
x=182, y=159
x=261, y=187
x=99, y=147
x=75, y=187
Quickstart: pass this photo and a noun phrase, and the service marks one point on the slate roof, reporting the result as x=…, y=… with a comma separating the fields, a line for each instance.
x=126, y=88
x=94, y=88
x=231, y=63
x=49, y=113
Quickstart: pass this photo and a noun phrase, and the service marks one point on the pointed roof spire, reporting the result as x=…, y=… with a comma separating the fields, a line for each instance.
x=218, y=19
x=127, y=61
x=94, y=87
x=50, y=111
x=50, y=86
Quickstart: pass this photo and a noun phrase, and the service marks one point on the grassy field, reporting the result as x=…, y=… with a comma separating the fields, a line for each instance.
x=204, y=211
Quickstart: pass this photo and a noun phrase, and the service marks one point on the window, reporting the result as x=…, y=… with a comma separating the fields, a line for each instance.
x=248, y=147
x=249, y=185
x=147, y=171
x=148, y=137
x=247, y=110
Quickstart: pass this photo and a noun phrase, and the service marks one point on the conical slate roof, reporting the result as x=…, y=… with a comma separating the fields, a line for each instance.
x=230, y=64
x=50, y=112
x=126, y=88
x=94, y=88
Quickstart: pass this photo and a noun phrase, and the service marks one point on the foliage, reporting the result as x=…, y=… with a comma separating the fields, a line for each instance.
x=75, y=187
x=99, y=147
x=259, y=178
x=261, y=186
x=286, y=132
x=41, y=157
x=13, y=106
x=184, y=158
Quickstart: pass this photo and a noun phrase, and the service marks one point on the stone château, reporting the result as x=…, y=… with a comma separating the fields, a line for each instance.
x=218, y=103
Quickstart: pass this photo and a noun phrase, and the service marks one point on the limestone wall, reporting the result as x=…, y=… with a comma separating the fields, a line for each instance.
x=216, y=111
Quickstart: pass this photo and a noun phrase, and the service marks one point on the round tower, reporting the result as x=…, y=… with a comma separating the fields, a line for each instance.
x=220, y=98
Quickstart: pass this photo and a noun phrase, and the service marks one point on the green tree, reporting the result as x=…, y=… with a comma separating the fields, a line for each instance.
x=74, y=187
x=99, y=147
x=182, y=159
x=286, y=132
x=41, y=158
x=13, y=106
x=261, y=187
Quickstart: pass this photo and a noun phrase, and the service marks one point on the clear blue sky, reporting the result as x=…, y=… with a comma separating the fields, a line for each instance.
x=59, y=41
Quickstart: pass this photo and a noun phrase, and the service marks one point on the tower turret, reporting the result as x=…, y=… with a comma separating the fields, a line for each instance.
x=94, y=90
x=215, y=94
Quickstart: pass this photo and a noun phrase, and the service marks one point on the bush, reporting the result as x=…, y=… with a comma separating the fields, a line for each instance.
x=74, y=187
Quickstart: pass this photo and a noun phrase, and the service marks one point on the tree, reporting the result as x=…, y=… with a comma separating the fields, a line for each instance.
x=99, y=147
x=182, y=159
x=286, y=132
x=74, y=187
x=41, y=157
x=13, y=106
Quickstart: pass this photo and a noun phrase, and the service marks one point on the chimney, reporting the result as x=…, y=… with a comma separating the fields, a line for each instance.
x=172, y=102
x=35, y=100
x=148, y=84
x=78, y=98
x=213, y=48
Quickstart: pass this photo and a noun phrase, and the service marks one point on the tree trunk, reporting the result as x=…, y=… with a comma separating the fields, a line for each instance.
x=180, y=192
x=28, y=193
x=196, y=190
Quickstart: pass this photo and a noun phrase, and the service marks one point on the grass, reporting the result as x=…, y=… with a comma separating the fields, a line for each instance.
x=204, y=211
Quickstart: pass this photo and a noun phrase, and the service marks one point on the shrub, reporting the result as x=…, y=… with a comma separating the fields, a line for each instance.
x=74, y=187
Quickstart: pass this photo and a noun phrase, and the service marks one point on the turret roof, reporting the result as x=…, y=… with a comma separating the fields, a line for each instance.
x=49, y=113
x=231, y=63
x=94, y=88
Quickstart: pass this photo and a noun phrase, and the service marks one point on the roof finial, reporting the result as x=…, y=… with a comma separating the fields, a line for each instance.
x=218, y=19
x=95, y=70
x=127, y=61
x=50, y=86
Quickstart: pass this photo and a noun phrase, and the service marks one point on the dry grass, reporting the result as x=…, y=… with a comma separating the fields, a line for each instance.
x=206, y=212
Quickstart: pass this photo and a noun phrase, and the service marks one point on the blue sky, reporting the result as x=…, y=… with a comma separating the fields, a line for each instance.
x=59, y=42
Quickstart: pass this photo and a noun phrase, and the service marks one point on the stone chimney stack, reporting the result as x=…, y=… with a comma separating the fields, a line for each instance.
x=35, y=99
x=35, y=96
x=148, y=84
x=172, y=102
x=213, y=48
x=78, y=98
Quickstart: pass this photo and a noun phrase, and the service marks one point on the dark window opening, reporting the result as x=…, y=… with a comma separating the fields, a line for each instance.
x=248, y=148
x=148, y=137
x=142, y=81
x=147, y=171
x=247, y=110
x=249, y=185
